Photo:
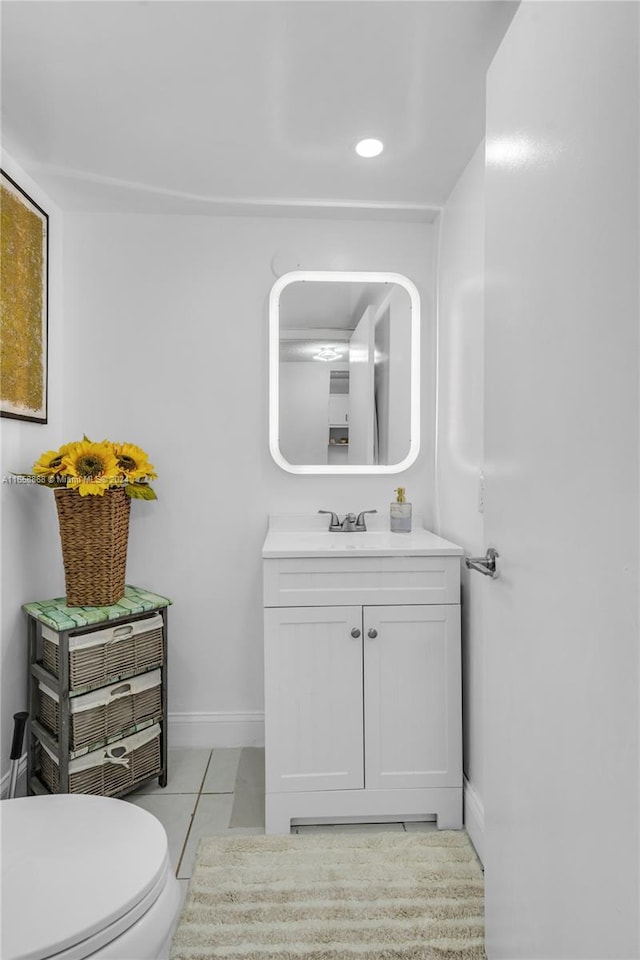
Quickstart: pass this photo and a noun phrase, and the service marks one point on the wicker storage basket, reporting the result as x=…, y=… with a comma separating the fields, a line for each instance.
x=109, y=770
x=99, y=716
x=104, y=656
x=94, y=532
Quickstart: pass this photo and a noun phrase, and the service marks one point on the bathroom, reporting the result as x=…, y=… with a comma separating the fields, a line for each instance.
x=159, y=278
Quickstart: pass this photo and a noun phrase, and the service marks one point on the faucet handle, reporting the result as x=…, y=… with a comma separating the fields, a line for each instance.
x=360, y=524
x=334, y=523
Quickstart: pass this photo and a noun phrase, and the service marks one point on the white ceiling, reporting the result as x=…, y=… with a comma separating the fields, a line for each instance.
x=247, y=105
x=318, y=315
x=336, y=305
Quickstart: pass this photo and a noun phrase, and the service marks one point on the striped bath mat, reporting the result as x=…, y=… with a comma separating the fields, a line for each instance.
x=342, y=896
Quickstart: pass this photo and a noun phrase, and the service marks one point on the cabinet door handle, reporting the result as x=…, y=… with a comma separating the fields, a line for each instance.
x=373, y=633
x=355, y=633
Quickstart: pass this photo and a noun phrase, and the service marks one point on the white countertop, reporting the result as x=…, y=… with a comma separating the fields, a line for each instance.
x=309, y=537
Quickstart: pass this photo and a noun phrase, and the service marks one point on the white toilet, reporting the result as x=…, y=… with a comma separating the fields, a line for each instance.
x=84, y=877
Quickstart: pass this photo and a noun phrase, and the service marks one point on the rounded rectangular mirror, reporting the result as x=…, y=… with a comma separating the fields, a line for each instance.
x=344, y=362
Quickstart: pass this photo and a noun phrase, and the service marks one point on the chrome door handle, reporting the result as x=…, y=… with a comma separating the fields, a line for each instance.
x=488, y=565
x=355, y=633
x=373, y=633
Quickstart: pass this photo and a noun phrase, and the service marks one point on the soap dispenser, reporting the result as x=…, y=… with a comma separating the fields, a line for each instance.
x=400, y=514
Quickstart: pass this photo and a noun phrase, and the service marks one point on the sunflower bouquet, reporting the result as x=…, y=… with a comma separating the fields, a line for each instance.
x=92, y=468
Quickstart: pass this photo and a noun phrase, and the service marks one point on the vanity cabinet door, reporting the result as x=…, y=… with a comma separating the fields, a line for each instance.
x=412, y=696
x=313, y=699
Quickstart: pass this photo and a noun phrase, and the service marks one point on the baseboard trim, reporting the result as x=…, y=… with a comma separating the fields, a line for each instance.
x=474, y=818
x=186, y=730
x=221, y=729
x=22, y=778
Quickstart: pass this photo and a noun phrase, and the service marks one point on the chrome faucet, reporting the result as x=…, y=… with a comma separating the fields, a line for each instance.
x=350, y=523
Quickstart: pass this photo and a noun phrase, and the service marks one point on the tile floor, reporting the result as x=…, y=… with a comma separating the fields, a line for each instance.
x=202, y=798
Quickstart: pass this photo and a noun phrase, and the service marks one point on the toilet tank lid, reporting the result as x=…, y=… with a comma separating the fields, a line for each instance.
x=72, y=865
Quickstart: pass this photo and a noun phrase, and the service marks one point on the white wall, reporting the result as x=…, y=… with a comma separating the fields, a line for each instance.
x=166, y=346
x=461, y=443
x=29, y=519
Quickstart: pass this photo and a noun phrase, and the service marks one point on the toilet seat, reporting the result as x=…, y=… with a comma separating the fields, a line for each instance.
x=77, y=871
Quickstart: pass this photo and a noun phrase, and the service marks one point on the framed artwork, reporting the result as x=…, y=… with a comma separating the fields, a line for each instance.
x=24, y=282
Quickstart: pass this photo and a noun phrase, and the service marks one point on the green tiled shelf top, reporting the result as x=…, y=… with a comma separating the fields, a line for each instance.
x=56, y=613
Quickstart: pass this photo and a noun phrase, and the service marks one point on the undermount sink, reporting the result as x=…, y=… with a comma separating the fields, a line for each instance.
x=317, y=543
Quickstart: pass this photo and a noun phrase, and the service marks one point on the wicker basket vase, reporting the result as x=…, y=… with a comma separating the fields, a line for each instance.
x=94, y=532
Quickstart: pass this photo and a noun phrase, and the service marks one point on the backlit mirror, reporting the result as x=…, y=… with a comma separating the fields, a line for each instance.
x=344, y=372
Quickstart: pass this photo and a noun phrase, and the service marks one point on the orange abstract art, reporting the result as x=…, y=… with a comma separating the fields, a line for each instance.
x=23, y=304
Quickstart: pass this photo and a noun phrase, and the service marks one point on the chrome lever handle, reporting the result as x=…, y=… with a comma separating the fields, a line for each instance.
x=360, y=523
x=487, y=565
x=334, y=523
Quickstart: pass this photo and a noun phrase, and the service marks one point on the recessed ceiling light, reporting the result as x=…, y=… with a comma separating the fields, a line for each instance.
x=369, y=148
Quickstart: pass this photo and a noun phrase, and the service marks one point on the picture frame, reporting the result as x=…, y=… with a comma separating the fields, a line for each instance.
x=24, y=304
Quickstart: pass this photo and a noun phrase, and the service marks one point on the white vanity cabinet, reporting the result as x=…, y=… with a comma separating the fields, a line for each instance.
x=362, y=678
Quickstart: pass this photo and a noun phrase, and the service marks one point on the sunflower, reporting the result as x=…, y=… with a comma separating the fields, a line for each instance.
x=92, y=467
x=50, y=463
x=133, y=462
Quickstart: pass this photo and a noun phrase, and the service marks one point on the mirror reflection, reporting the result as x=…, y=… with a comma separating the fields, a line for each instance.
x=345, y=371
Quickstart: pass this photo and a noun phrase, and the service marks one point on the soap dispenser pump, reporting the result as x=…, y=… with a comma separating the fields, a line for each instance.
x=400, y=514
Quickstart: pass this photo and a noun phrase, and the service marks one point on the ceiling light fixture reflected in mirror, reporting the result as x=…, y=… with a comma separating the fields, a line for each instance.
x=327, y=353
